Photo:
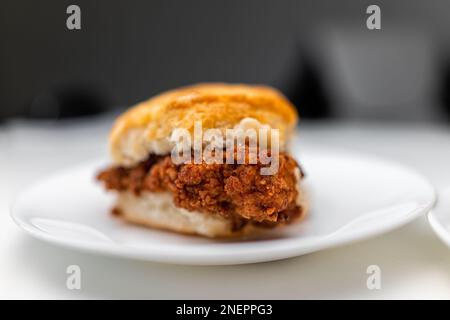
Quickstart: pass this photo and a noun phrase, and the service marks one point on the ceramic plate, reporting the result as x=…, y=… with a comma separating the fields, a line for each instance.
x=352, y=197
x=439, y=217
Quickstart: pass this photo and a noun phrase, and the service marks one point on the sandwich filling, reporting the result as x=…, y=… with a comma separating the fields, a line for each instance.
x=237, y=192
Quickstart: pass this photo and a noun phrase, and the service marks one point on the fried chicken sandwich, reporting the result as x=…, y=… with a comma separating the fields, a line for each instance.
x=239, y=184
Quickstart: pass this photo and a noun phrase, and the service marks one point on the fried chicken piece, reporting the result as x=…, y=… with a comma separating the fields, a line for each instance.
x=231, y=190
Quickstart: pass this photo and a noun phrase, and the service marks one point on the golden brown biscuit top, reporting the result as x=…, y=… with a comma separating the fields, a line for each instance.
x=216, y=105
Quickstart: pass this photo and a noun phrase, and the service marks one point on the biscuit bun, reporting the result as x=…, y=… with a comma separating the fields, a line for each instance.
x=157, y=210
x=147, y=127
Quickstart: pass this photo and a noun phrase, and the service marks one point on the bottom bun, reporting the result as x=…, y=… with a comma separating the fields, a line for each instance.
x=157, y=210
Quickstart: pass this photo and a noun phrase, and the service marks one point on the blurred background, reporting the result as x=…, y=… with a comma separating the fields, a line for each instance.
x=319, y=53
x=380, y=92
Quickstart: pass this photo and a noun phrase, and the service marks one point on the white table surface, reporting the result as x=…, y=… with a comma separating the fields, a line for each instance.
x=413, y=261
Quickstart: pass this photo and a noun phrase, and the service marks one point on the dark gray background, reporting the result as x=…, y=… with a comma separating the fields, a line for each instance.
x=319, y=53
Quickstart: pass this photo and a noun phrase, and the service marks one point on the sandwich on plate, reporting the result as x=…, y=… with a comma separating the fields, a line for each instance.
x=208, y=159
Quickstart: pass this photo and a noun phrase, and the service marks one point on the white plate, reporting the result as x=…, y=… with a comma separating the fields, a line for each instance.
x=352, y=197
x=439, y=217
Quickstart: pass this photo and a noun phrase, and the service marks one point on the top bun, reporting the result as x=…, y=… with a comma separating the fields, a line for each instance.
x=147, y=127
